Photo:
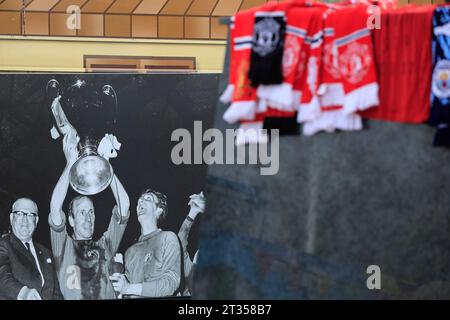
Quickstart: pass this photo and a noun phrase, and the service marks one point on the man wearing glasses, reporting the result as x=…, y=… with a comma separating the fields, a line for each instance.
x=27, y=271
x=83, y=263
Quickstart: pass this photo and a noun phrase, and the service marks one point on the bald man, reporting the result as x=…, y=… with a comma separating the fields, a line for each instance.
x=27, y=271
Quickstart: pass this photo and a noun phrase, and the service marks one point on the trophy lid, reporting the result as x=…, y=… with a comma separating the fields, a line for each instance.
x=92, y=109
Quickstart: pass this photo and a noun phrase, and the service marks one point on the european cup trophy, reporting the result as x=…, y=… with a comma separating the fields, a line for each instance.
x=92, y=112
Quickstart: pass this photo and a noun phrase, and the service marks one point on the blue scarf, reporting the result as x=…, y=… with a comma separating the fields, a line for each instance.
x=440, y=86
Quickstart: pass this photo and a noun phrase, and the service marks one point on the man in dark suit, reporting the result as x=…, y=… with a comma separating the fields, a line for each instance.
x=27, y=271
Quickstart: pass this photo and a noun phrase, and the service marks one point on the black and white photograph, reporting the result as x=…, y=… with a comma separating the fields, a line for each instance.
x=92, y=207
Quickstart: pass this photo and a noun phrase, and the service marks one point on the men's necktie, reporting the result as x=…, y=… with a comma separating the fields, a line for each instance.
x=27, y=244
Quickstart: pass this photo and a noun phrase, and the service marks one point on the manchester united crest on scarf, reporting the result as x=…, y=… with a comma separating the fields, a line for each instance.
x=355, y=62
x=290, y=55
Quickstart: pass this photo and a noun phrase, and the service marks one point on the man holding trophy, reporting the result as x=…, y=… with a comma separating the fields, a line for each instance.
x=84, y=264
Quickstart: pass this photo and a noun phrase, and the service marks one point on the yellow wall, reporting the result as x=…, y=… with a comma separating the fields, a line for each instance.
x=42, y=54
